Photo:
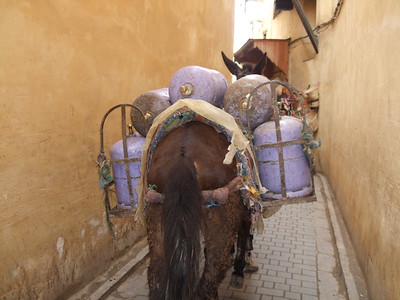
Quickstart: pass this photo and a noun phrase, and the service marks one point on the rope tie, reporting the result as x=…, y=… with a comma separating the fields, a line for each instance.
x=212, y=203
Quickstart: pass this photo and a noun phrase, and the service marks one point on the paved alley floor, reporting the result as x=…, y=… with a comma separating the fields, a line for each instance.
x=304, y=254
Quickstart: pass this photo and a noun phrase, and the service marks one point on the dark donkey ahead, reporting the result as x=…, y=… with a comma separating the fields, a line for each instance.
x=247, y=68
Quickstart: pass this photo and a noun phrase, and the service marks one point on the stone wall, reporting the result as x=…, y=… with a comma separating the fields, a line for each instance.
x=63, y=65
x=359, y=122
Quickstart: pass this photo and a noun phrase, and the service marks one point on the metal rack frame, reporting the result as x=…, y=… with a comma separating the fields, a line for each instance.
x=280, y=144
x=116, y=211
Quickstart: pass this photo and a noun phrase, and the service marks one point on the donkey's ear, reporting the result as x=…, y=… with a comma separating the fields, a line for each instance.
x=232, y=66
x=260, y=65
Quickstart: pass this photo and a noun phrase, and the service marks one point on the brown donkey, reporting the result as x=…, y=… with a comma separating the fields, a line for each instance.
x=196, y=205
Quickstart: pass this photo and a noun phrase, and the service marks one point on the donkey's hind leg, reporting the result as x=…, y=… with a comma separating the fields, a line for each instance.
x=237, y=277
x=155, y=271
x=217, y=262
x=219, y=233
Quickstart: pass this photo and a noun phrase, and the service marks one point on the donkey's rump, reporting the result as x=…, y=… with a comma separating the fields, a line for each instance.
x=201, y=145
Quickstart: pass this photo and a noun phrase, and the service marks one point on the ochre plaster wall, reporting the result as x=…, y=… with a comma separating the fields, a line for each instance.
x=63, y=65
x=359, y=124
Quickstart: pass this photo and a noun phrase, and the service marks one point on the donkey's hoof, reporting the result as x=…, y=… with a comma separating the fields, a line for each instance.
x=236, y=281
x=250, y=266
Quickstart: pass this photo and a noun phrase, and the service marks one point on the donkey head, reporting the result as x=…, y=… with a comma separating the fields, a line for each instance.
x=247, y=68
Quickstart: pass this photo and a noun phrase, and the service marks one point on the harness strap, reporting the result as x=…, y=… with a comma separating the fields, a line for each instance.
x=219, y=196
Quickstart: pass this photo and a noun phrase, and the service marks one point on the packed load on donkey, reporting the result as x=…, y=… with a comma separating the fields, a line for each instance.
x=200, y=191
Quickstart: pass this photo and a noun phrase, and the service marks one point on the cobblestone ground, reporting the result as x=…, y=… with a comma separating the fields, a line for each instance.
x=287, y=256
x=297, y=255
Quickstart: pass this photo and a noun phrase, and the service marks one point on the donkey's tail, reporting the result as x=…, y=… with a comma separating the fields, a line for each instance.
x=181, y=221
